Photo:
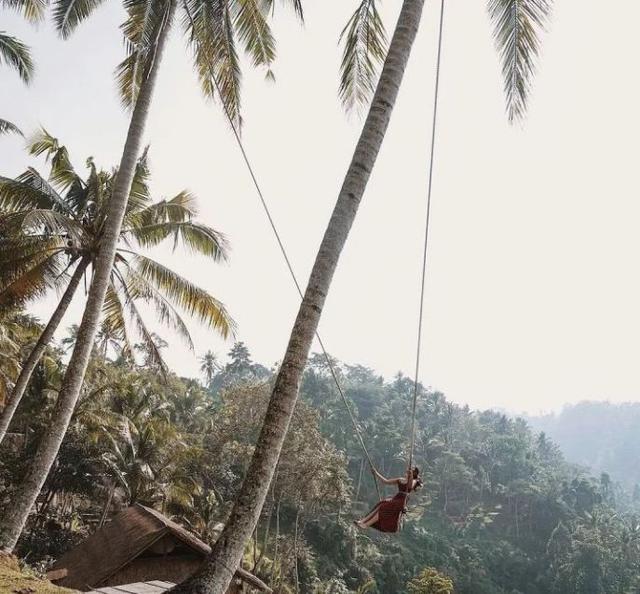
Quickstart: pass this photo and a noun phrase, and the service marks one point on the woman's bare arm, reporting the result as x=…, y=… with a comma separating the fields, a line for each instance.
x=386, y=481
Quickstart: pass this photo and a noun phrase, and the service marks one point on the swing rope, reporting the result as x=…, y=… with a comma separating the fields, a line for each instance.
x=292, y=273
x=426, y=240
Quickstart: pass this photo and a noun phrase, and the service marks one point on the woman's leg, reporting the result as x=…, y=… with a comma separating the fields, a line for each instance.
x=370, y=515
x=369, y=520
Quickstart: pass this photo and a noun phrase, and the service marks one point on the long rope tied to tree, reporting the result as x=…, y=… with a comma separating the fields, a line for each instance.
x=287, y=260
x=416, y=384
x=285, y=255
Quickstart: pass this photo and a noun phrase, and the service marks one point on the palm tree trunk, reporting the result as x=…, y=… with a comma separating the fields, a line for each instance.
x=30, y=364
x=295, y=551
x=107, y=505
x=265, y=540
x=273, y=577
x=216, y=573
x=24, y=497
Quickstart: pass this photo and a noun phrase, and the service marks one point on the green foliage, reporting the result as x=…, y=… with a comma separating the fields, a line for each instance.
x=17, y=333
x=365, y=47
x=68, y=14
x=52, y=226
x=16, y=55
x=6, y=127
x=517, y=27
x=213, y=29
x=430, y=581
x=32, y=10
x=501, y=511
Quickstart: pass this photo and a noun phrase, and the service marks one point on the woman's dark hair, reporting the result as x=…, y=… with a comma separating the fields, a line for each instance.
x=418, y=482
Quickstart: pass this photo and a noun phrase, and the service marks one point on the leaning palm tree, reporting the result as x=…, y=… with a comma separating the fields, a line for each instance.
x=61, y=224
x=517, y=25
x=213, y=29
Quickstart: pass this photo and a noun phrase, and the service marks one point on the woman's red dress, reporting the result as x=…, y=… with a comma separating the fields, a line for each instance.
x=390, y=510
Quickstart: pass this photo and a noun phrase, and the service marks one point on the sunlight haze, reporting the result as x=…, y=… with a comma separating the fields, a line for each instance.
x=532, y=291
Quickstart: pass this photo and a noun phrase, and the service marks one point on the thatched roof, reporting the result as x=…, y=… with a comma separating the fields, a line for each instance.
x=129, y=534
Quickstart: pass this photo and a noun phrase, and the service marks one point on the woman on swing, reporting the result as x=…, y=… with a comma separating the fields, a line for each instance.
x=385, y=516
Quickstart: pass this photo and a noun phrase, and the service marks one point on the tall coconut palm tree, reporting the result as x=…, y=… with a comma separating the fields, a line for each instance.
x=61, y=223
x=209, y=366
x=213, y=29
x=517, y=24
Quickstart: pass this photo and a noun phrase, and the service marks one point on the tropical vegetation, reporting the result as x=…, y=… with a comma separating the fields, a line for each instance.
x=97, y=421
x=212, y=32
x=51, y=230
x=502, y=511
x=517, y=29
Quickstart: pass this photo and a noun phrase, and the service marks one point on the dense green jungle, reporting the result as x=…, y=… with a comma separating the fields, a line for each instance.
x=501, y=511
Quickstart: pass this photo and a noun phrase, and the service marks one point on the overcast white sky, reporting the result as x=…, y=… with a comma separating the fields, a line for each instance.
x=533, y=292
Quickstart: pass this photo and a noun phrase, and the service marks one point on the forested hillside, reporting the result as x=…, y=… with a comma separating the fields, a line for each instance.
x=600, y=435
x=501, y=510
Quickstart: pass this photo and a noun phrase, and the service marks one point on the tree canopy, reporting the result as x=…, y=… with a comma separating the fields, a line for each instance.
x=502, y=511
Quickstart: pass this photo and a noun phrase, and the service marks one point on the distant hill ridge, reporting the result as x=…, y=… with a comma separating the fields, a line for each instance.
x=600, y=435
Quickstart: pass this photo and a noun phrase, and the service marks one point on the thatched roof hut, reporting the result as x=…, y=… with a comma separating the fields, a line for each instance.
x=139, y=545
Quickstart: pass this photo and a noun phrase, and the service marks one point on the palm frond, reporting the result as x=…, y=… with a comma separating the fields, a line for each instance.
x=62, y=175
x=6, y=127
x=29, y=190
x=18, y=253
x=140, y=196
x=139, y=288
x=270, y=6
x=113, y=469
x=29, y=266
x=145, y=334
x=17, y=55
x=365, y=48
x=45, y=221
x=518, y=25
x=68, y=14
x=209, y=25
x=33, y=282
x=113, y=318
x=197, y=238
x=128, y=76
x=84, y=196
x=42, y=142
x=32, y=10
x=189, y=297
x=182, y=207
x=145, y=18
x=254, y=31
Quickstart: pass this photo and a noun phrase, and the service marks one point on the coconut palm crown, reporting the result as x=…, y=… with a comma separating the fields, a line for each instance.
x=48, y=228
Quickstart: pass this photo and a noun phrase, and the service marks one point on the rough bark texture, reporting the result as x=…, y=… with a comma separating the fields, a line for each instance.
x=36, y=353
x=295, y=551
x=14, y=518
x=216, y=573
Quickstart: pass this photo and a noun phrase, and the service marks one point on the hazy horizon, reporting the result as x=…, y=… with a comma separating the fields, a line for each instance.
x=532, y=293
